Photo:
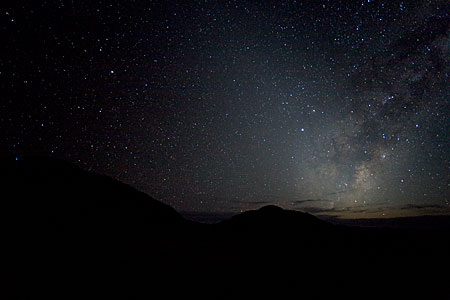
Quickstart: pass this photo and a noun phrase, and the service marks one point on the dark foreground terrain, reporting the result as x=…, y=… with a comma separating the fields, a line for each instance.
x=68, y=233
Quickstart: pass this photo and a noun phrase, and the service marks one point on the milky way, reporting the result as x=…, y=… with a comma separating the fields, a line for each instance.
x=335, y=108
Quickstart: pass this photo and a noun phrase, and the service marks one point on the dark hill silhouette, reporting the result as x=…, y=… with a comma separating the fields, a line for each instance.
x=68, y=233
x=39, y=186
x=57, y=219
x=274, y=218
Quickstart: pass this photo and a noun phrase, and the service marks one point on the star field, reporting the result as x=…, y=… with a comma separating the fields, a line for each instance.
x=330, y=107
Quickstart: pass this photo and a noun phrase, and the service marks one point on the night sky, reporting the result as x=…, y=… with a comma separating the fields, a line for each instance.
x=337, y=108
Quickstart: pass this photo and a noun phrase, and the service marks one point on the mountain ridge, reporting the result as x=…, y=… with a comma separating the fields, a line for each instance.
x=53, y=182
x=145, y=248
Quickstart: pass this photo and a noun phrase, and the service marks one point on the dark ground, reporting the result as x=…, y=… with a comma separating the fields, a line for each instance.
x=67, y=233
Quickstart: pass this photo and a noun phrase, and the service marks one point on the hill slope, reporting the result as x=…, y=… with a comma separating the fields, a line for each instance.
x=68, y=233
x=37, y=186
